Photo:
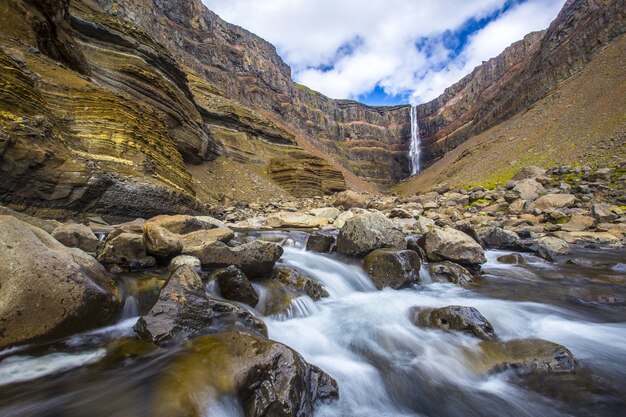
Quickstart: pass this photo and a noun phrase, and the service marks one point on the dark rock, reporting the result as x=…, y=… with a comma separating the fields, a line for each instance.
x=49, y=291
x=464, y=319
x=365, y=232
x=449, y=272
x=322, y=241
x=499, y=238
x=392, y=268
x=512, y=259
x=235, y=286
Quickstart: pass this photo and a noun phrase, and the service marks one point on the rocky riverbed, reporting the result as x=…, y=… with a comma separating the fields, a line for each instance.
x=455, y=302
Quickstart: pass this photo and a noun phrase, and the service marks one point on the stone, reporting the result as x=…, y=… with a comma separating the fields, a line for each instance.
x=366, y=232
x=524, y=357
x=552, y=201
x=295, y=220
x=268, y=378
x=47, y=290
x=460, y=318
x=160, y=242
x=602, y=213
x=194, y=241
x=512, y=259
x=530, y=171
x=424, y=224
x=126, y=250
x=548, y=247
x=453, y=245
x=598, y=237
x=184, y=310
x=45, y=225
x=349, y=199
x=528, y=189
x=296, y=282
x=430, y=197
x=326, y=212
x=400, y=213
x=235, y=286
x=499, y=238
x=342, y=218
x=392, y=268
x=181, y=224
x=181, y=260
x=254, y=258
x=322, y=241
x=74, y=235
x=578, y=223
x=447, y=271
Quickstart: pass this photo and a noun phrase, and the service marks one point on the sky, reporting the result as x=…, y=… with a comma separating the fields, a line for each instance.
x=386, y=52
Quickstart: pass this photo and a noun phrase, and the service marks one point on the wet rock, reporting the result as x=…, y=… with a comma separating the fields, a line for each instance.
x=512, y=259
x=194, y=241
x=552, y=201
x=184, y=310
x=547, y=247
x=524, y=357
x=268, y=378
x=126, y=250
x=366, y=232
x=453, y=245
x=74, y=235
x=49, y=291
x=449, y=272
x=460, y=318
x=160, y=242
x=349, y=199
x=295, y=220
x=392, y=268
x=322, y=241
x=298, y=283
x=253, y=258
x=499, y=238
x=235, y=286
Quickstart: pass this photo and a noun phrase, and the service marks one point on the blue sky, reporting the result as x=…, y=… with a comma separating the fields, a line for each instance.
x=385, y=52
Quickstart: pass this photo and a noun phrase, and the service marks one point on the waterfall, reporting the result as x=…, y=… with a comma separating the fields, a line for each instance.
x=415, y=149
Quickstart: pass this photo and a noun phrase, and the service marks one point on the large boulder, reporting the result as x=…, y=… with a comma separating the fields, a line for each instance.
x=75, y=235
x=499, y=238
x=49, y=291
x=160, y=242
x=447, y=271
x=552, y=201
x=453, y=245
x=366, y=232
x=321, y=241
x=460, y=318
x=268, y=378
x=184, y=310
x=253, y=258
x=295, y=220
x=235, y=286
x=548, y=247
x=349, y=199
x=392, y=268
x=528, y=189
x=524, y=357
x=181, y=224
x=126, y=250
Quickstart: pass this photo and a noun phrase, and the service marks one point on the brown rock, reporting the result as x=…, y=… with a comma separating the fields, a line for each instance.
x=75, y=235
x=349, y=199
x=160, y=242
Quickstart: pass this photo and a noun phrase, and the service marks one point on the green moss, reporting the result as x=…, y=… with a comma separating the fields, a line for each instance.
x=561, y=220
x=480, y=201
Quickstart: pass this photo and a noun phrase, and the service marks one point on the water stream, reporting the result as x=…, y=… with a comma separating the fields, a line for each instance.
x=384, y=365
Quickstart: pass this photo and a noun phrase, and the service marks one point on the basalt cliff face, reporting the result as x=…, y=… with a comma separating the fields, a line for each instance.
x=129, y=107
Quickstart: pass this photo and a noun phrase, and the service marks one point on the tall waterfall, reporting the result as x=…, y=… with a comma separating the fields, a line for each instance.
x=415, y=150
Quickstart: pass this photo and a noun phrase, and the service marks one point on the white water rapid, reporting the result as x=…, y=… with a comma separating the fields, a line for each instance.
x=415, y=150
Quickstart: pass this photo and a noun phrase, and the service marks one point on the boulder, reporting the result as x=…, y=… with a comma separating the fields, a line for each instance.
x=235, y=286
x=342, y=218
x=295, y=220
x=366, y=232
x=349, y=199
x=296, y=282
x=184, y=260
x=530, y=171
x=453, y=245
x=400, y=214
x=45, y=225
x=547, y=247
x=528, y=189
x=268, y=378
x=160, y=242
x=194, y=241
x=499, y=238
x=602, y=213
x=392, y=268
x=184, y=310
x=126, y=250
x=253, y=258
x=326, y=212
x=552, y=201
x=512, y=259
x=49, y=291
x=181, y=224
x=524, y=357
x=74, y=235
x=447, y=271
x=322, y=241
x=460, y=318
x=578, y=223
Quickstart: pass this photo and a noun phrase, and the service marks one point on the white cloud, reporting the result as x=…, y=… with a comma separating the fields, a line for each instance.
x=344, y=48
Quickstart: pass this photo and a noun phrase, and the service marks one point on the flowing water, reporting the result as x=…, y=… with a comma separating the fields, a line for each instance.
x=384, y=365
x=415, y=150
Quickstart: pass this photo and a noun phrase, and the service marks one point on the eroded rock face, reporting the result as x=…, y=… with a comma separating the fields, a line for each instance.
x=48, y=291
x=268, y=378
x=453, y=245
x=368, y=231
x=392, y=268
x=253, y=258
x=464, y=319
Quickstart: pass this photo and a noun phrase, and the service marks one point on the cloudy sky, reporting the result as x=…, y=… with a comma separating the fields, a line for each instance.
x=387, y=51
